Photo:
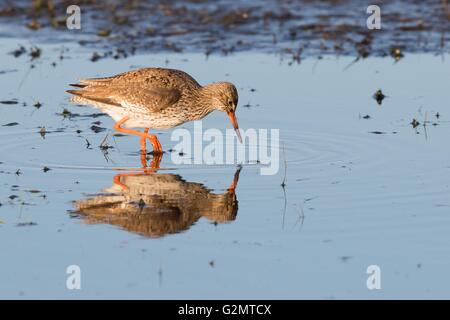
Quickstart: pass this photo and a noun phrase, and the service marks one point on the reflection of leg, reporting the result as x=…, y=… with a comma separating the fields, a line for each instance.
x=118, y=177
x=157, y=148
x=156, y=161
x=144, y=150
x=117, y=181
x=234, y=183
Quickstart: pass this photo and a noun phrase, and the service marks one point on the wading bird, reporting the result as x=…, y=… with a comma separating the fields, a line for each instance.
x=155, y=98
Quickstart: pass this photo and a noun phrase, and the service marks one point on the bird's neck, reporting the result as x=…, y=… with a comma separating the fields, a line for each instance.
x=205, y=98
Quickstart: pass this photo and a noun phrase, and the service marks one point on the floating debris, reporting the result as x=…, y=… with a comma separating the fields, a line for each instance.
x=379, y=96
x=396, y=53
x=104, y=33
x=66, y=113
x=35, y=53
x=18, y=52
x=364, y=46
x=42, y=132
x=97, y=129
x=26, y=224
x=46, y=169
x=11, y=124
x=33, y=191
x=69, y=114
x=104, y=146
x=7, y=71
x=366, y=117
x=33, y=25
x=415, y=123
x=95, y=57
x=437, y=115
x=345, y=259
x=37, y=105
x=9, y=102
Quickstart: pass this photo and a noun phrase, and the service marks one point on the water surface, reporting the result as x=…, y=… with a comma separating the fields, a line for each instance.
x=358, y=191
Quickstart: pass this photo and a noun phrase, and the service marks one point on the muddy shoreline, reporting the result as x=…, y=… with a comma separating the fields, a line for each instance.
x=297, y=29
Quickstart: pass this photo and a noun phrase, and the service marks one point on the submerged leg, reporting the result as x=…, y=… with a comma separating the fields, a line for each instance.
x=144, y=150
x=143, y=139
x=156, y=161
x=157, y=148
x=156, y=156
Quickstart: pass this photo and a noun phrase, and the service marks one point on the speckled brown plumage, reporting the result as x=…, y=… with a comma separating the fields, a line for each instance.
x=155, y=98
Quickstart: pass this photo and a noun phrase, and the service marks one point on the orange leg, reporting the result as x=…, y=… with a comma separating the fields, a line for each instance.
x=144, y=150
x=117, y=178
x=143, y=139
x=117, y=181
x=156, y=157
x=157, y=148
x=155, y=162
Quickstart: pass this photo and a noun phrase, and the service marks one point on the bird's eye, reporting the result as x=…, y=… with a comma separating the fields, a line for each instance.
x=230, y=103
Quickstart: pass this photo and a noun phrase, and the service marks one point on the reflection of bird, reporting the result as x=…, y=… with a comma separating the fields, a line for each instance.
x=157, y=204
x=156, y=98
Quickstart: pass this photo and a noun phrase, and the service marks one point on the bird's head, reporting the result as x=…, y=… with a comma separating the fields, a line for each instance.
x=224, y=97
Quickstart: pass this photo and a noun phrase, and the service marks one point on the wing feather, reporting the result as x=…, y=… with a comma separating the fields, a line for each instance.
x=153, y=100
x=149, y=89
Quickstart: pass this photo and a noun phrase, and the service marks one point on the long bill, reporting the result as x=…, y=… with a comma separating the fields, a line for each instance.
x=234, y=122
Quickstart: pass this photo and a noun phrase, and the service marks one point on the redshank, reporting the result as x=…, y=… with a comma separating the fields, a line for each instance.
x=155, y=98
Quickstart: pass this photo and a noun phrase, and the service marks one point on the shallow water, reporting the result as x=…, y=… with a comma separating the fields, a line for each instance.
x=352, y=198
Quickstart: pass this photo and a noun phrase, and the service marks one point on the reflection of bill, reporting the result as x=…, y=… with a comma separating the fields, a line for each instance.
x=154, y=205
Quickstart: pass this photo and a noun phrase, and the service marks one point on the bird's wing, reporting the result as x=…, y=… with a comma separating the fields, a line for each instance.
x=148, y=99
x=159, y=77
